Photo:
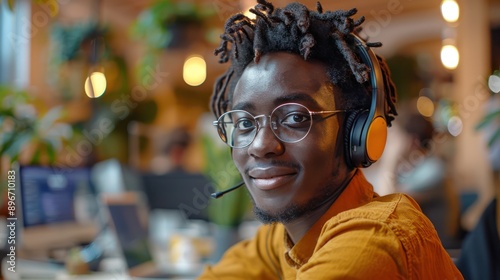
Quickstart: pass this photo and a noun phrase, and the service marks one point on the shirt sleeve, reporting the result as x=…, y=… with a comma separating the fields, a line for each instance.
x=250, y=259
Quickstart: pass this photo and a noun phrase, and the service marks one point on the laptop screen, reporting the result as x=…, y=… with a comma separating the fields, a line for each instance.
x=129, y=227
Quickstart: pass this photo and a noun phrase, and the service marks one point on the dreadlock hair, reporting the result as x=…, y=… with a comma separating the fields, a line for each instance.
x=314, y=35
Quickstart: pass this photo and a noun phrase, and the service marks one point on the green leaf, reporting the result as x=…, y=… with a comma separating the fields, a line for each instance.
x=11, y=4
x=36, y=157
x=49, y=148
x=6, y=139
x=487, y=119
x=49, y=119
x=51, y=152
x=494, y=138
x=19, y=144
x=162, y=11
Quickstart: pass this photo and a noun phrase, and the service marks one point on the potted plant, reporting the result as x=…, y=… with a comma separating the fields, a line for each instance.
x=26, y=135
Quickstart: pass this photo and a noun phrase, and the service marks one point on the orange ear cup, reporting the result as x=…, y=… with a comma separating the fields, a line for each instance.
x=376, y=138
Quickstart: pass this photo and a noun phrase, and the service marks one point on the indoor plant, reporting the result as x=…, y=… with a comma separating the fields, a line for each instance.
x=27, y=135
x=168, y=24
x=226, y=213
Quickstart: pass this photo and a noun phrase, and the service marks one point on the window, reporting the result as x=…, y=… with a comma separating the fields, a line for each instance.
x=15, y=28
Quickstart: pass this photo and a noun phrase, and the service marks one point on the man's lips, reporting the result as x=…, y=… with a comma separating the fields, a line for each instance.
x=268, y=178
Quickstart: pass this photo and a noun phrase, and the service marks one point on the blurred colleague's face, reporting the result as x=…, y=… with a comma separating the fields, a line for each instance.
x=287, y=180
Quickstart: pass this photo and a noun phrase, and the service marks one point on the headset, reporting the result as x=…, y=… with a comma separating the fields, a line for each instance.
x=366, y=130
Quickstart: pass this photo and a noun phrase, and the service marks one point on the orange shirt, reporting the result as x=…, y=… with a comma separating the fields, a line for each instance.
x=361, y=236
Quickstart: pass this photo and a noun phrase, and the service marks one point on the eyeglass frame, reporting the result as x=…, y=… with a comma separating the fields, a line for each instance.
x=218, y=123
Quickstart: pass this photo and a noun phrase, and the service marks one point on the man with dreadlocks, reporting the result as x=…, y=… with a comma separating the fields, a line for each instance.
x=285, y=105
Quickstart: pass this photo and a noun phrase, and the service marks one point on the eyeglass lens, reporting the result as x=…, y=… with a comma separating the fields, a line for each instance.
x=289, y=122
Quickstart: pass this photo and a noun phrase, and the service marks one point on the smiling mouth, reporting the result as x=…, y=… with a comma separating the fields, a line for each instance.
x=271, y=183
x=272, y=178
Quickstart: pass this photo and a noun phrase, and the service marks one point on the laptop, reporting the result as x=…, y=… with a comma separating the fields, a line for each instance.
x=128, y=219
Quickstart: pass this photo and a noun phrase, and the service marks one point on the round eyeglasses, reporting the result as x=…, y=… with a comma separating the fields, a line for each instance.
x=290, y=122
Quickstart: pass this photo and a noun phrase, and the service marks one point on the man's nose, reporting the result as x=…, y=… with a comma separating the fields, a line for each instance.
x=265, y=143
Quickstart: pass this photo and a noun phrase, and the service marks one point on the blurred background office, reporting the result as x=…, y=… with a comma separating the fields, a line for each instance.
x=118, y=92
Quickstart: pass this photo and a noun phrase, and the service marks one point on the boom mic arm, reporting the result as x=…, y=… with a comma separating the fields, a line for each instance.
x=221, y=193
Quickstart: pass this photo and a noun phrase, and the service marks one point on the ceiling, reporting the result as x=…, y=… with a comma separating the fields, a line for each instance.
x=399, y=20
x=364, y=7
x=367, y=8
x=396, y=23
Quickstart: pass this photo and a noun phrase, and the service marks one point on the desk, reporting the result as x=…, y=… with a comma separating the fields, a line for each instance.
x=37, y=270
x=60, y=235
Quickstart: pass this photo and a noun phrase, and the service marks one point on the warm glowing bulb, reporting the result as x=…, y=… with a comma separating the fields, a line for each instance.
x=95, y=85
x=455, y=126
x=450, y=56
x=195, y=70
x=425, y=106
x=450, y=10
x=494, y=83
x=249, y=14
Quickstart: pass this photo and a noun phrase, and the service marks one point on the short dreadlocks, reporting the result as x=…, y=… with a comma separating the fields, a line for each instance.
x=314, y=35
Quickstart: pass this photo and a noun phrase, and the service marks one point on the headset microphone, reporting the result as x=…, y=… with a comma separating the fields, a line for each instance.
x=221, y=193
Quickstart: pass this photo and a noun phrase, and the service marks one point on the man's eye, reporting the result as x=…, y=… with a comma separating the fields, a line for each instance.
x=244, y=124
x=294, y=119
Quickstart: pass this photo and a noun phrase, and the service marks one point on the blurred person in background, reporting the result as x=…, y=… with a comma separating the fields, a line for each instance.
x=480, y=253
x=421, y=170
x=173, y=153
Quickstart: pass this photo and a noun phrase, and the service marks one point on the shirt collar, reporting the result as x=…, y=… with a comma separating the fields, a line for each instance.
x=358, y=192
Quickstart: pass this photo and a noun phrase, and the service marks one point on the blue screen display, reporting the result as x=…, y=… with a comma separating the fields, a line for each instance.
x=48, y=193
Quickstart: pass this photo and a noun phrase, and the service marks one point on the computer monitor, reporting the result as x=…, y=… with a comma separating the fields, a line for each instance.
x=186, y=192
x=56, y=207
x=111, y=176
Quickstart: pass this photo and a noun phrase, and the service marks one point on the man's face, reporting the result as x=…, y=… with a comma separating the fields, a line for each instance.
x=287, y=180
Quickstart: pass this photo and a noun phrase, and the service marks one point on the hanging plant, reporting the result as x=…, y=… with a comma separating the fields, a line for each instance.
x=169, y=25
x=160, y=26
x=69, y=40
